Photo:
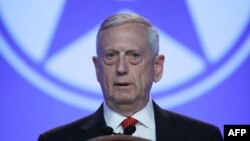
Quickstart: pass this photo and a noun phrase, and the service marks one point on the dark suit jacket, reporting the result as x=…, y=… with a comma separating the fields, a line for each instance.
x=169, y=127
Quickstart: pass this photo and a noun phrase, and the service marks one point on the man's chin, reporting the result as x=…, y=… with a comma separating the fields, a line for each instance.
x=124, y=101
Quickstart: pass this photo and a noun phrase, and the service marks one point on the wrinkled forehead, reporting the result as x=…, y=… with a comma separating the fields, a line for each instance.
x=121, y=27
x=129, y=33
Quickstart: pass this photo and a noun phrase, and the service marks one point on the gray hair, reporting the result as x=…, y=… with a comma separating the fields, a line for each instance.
x=122, y=18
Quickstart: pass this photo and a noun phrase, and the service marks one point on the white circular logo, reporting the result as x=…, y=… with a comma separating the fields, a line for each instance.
x=52, y=46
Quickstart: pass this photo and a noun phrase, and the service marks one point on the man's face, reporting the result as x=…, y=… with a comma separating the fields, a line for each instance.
x=125, y=65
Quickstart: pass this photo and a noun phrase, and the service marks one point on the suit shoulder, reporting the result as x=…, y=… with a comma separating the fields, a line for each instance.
x=192, y=125
x=71, y=125
x=77, y=130
x=189, y=120
x=65, y=131
x=178, y=119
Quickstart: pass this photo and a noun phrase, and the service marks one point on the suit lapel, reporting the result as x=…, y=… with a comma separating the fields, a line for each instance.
x=166, y=125
x=94, y=125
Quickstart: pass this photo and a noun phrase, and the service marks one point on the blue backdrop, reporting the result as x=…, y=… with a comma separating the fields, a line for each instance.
x=48, y=79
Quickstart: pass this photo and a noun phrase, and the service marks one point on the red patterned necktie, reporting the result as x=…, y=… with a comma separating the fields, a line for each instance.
x=128, y=121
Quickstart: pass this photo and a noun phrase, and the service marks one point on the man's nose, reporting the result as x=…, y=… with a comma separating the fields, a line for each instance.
x=122, y=66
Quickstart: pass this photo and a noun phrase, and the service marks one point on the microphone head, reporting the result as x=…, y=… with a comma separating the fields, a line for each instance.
x=107, y=130
x=129, y=130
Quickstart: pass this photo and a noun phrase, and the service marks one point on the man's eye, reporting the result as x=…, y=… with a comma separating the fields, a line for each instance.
x=136, y=55
x=110, y=55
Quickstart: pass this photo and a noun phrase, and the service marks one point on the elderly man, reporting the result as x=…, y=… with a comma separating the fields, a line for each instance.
x=127, y=64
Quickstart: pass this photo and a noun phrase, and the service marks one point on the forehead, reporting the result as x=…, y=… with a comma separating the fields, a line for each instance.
x=129, y=36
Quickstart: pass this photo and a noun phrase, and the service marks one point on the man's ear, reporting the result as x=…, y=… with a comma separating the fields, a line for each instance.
x=96, y=63
x=158, y=67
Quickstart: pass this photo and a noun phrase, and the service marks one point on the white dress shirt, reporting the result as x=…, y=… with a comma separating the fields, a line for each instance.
x=145, y=128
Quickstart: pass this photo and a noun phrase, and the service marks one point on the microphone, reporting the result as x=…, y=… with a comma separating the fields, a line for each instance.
x=107, y=130
x=129, y=130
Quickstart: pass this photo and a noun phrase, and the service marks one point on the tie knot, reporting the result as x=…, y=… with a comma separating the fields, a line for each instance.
x=128, y=121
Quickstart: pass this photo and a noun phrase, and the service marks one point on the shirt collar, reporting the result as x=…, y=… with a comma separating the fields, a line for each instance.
x=144, y=116
x=112, y=118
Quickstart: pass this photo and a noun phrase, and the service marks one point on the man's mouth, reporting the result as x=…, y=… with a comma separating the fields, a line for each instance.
x=122, y=85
